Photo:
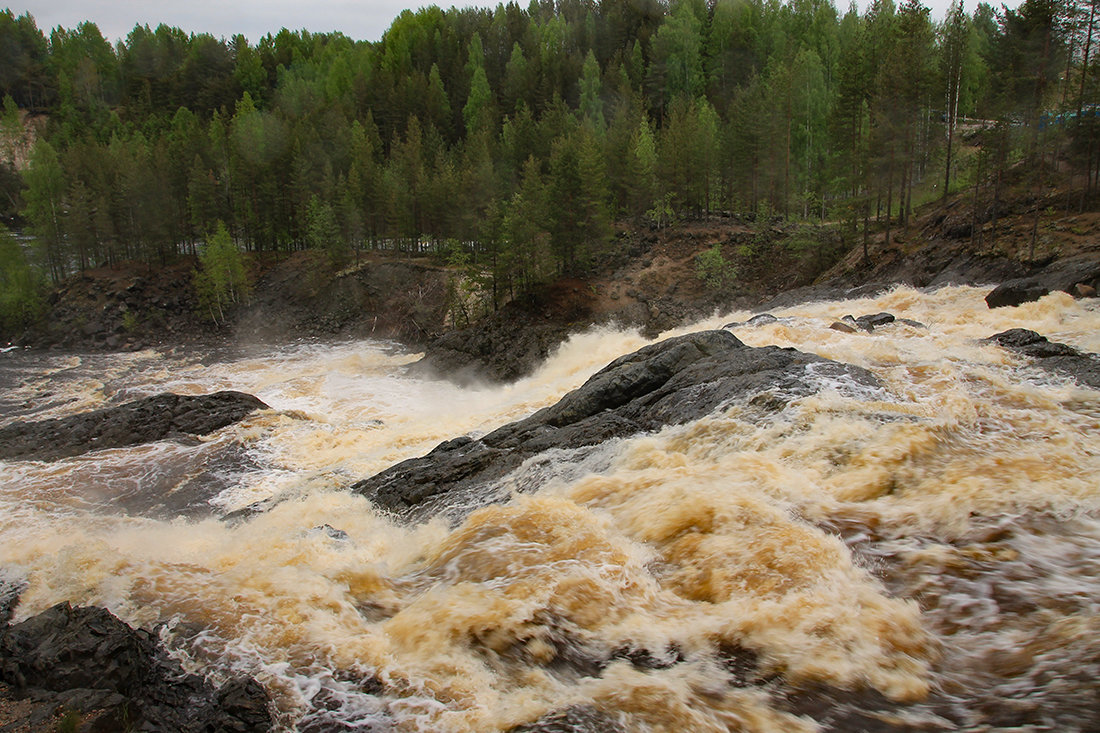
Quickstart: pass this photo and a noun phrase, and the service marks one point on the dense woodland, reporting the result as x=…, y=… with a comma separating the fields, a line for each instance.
x=508, y=140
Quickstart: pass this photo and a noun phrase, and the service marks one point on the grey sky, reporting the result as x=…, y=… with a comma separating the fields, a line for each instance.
x=357, y=19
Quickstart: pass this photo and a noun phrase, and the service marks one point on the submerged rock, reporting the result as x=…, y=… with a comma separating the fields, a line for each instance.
x=668, y=383
x=843, y=327
x=761, y=319
x=575, y=719
x=875, y=320
x=1056, y=357
x=87, y=661
x=142, y=421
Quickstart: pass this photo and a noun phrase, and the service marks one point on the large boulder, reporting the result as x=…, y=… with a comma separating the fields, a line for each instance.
x=146, y=420
x=1016, y=292
x=1051, y=355
x=668, y=383
x=86, y=660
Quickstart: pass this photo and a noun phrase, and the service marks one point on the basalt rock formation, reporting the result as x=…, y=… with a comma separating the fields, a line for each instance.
x=668, y=383
x=86, y=663
x=164, y=416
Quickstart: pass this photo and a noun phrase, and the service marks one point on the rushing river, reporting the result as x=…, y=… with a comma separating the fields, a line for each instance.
x=933, y=546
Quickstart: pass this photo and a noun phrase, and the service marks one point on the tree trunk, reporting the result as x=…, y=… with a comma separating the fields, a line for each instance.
x=889, y=195
x=1085, y=61
x=952, y=117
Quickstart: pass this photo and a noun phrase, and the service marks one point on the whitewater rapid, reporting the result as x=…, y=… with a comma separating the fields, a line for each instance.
x=936, y=541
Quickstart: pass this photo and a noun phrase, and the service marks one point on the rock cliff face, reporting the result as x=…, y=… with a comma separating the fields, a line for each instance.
x=667, y=383
x=142, y=421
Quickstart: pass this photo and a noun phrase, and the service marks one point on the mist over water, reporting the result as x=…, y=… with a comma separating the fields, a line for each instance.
x=935, y=541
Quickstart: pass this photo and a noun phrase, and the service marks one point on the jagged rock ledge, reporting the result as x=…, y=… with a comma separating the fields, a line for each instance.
x=1051, y=355
x=85, y=666
x=163, y=416
x=668, y=383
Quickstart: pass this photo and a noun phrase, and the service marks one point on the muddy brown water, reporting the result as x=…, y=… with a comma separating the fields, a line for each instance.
x=933, y=545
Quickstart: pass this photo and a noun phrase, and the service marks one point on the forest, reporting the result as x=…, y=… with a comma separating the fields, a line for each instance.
x=510, y=140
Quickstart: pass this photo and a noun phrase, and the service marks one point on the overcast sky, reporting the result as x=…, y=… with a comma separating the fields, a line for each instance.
x=357, y=19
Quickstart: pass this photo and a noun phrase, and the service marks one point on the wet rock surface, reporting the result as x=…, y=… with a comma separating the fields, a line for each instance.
x=668, y=383
x=1064, y=275
x=164, y=416
x=87, y=664
x=575, y=719
x=1056, y=357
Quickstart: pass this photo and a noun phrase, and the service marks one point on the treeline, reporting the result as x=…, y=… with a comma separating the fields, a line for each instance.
x=510, y=139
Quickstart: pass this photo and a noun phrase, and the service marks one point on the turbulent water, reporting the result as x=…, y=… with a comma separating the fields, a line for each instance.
x=932, y=546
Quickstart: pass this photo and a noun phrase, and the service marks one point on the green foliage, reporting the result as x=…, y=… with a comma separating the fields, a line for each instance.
x=466, y=285
x=130, y=321
x=713, y=269
x=591, y=107
x=21, y=287
x=323, y=233
x=662, y=214
x=522, y=131
x=222, y=279
x=70, y=722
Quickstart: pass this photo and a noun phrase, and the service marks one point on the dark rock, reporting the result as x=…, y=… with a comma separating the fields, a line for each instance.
x=761, y=319
x=855, y=323
x=332, y=533
x=1050, y=355
x=164, y=416
x=910, y=322
x=843, y=327
x=865, y=710
x=1016, y=292
x=67, y=648
x=575, y=719
x=646, y=659
x=9, y=598
x=741, y=663
x=1062, y=275
x=1080, y=290
x=668, y=383
x=1065, y=274
x=243, y=705
x=86, y=659
x=876, y=319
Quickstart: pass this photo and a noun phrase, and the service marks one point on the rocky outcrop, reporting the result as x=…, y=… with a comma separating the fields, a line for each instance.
x=89, y=664
x=164, y=416
x=1065, y=275
x=512, y=341
x=1056, y=357
x=667, y=383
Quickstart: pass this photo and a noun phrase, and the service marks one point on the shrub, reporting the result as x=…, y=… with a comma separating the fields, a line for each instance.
x=713, y=269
